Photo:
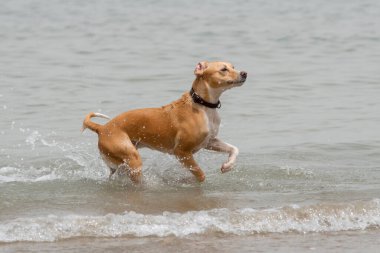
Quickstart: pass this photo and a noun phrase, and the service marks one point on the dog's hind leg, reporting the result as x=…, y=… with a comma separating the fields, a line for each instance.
x=131, y=164
x=111, y=165
x=121, y=156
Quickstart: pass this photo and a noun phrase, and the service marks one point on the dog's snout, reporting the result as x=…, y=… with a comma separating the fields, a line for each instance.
x=243, y=74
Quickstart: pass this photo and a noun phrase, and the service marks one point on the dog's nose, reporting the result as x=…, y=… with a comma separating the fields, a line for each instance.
x=243, y=74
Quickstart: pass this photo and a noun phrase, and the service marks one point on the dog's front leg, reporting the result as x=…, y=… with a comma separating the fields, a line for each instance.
x=187, y=160
x=220, y=146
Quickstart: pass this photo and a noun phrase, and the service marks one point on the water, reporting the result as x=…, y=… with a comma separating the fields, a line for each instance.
x=306, y=123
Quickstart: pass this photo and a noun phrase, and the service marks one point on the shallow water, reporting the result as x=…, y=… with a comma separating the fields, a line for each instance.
x=306, y=123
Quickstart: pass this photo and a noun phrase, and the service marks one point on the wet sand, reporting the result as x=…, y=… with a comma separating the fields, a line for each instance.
x=350, y=241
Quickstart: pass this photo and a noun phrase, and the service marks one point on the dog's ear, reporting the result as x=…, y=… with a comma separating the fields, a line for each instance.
x=200, y=68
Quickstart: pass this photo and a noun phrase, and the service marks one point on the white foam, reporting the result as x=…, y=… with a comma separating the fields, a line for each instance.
x=313, y=218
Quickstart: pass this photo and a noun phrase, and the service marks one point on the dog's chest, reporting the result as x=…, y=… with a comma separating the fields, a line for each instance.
x=212, y=124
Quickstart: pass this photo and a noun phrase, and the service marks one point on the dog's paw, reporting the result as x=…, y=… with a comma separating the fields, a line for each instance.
x=226, y=167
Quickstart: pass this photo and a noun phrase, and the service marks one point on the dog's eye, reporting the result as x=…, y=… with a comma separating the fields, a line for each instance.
x=224, y=69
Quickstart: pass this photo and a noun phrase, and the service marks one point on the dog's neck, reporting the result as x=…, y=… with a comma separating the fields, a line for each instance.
x=203, y=89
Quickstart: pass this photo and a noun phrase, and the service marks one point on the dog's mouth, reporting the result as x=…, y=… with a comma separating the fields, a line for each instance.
x=238, y=82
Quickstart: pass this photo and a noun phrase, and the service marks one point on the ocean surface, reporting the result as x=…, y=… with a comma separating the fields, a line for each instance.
x=307, y=123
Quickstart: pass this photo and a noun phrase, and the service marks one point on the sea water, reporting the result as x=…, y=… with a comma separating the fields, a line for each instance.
x=306, y=122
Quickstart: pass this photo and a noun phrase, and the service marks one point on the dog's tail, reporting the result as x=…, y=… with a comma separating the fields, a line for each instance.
x=87, y=123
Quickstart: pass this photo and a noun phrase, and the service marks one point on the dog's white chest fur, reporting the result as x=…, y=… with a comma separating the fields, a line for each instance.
x=212, y=121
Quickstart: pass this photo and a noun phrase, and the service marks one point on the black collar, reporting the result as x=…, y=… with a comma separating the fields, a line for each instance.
x=197, y=99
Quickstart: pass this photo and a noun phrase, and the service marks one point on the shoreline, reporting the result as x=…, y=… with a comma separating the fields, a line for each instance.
x=348, y=241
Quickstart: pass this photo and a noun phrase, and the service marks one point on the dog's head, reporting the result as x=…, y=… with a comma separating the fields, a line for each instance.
x=220, y=75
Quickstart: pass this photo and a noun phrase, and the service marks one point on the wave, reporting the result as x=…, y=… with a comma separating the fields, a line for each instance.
x=324, y=217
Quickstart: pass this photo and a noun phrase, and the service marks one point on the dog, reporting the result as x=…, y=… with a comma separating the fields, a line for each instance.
x=181, y=128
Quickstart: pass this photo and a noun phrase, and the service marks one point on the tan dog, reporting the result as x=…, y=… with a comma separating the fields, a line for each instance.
x=182, y=127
